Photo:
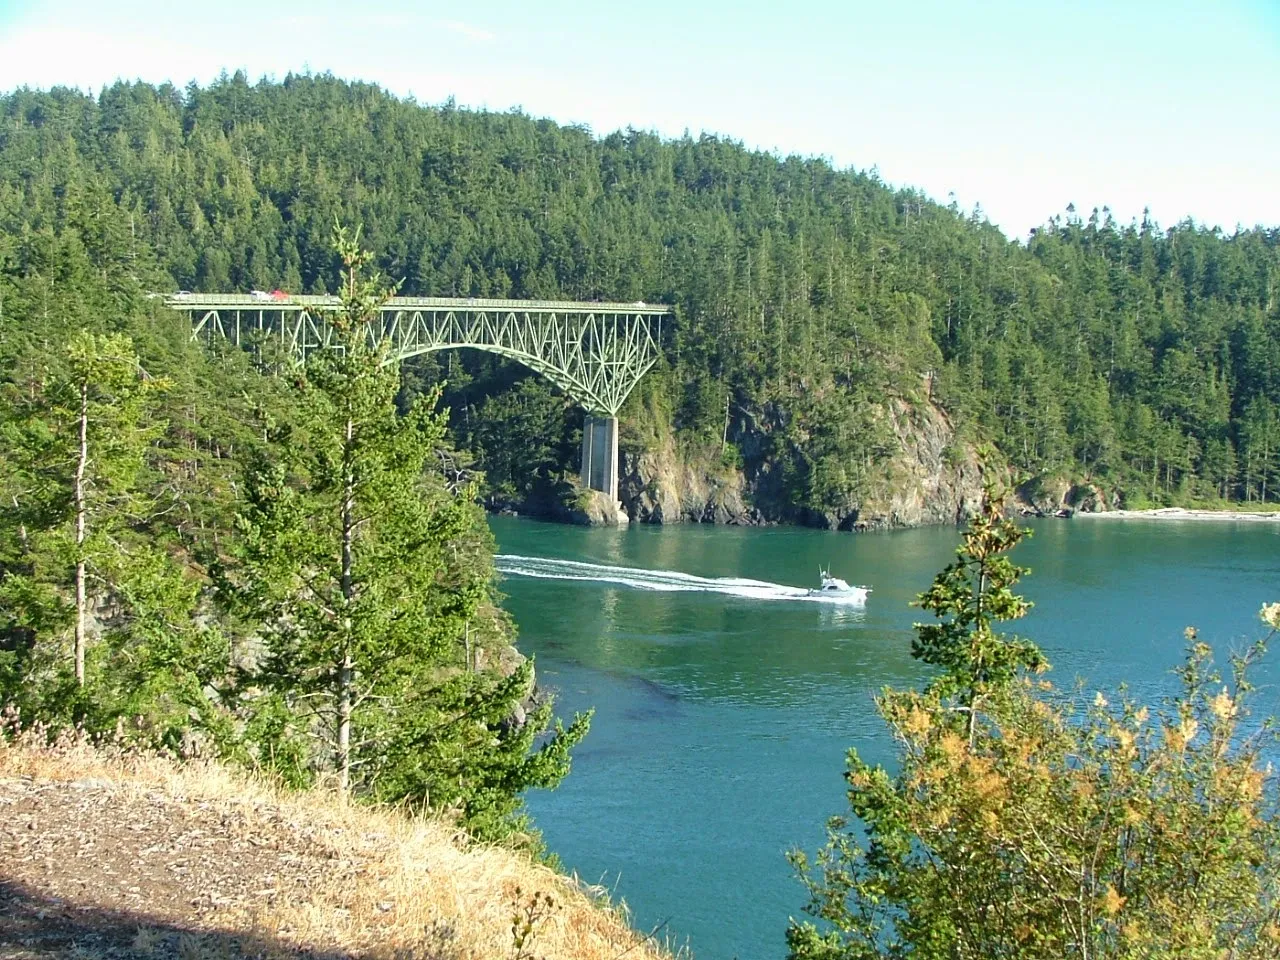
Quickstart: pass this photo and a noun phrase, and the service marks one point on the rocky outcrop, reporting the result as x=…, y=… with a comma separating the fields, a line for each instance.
x=566, y=502
x=598, y=510
x=1050, y=495
x=932, y=479
x=1042, y=495
x=667, y=484
x=1089, y=497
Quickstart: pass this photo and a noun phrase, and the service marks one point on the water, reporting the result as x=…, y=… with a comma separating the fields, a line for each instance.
x=673, y=581
x=725, y=698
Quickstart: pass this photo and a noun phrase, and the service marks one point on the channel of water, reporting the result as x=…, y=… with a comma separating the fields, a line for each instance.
x=726, y=698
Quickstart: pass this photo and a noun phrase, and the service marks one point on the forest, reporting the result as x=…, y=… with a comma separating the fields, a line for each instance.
x=291, y=570
x=280, y=573
x=1141, y=359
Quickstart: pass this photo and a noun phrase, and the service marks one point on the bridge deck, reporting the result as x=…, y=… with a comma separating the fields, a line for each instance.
x=247, y=301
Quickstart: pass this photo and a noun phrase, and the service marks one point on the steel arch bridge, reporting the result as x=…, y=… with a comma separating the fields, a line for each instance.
x=595, y=352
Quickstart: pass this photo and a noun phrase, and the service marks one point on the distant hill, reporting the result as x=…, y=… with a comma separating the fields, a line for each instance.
x=1134, y=361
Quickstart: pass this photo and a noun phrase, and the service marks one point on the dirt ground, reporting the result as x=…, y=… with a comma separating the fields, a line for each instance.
x=93, y=870
x=104, y=859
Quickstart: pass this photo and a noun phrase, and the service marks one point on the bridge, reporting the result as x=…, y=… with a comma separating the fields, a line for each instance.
x=595, y=352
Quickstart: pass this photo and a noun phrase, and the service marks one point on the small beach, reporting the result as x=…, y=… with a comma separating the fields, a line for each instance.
x=1182, y=513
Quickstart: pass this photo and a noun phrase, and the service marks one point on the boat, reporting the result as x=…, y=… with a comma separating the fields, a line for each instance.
x=837, y=589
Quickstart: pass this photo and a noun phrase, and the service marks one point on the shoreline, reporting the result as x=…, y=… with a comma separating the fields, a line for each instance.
x=1183, y=513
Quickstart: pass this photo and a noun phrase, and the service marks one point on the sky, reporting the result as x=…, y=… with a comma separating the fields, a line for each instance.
x=1020, y=107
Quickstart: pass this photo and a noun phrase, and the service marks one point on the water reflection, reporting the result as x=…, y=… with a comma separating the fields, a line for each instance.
x=836, y=615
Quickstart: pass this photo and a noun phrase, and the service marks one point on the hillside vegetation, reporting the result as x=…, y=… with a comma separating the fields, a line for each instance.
x=291, y=575
x=279, y=572
x=1144, y=360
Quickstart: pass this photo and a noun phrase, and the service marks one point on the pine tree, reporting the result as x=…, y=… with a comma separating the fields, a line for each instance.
x=360, y=570
x=78, y=450
x=974, y=592
x=1260, y=448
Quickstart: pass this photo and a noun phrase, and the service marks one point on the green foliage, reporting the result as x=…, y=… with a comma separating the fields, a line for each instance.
x=180, y=442
x=1032, y=829
x=352, y=560
x=971, y=594
x=813, y=307
x=466, y=749
x=1114, y=352
x=78, y=444
x=524, y=437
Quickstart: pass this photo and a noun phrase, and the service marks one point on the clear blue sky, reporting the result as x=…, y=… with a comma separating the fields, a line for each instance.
x=1022, y=107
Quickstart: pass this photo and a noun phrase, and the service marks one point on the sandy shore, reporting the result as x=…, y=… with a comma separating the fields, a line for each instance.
x=1181, y=513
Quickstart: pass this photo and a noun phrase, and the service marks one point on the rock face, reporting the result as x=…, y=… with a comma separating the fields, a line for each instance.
x=1050, y=495
x=935, y=480
x=932, y=477
x=1091, y=498
x=598, y=510
x=667, y=485
x=931, y=481
x=567, y=503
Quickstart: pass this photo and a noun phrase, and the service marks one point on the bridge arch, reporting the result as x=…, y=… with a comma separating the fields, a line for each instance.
x=595, y=352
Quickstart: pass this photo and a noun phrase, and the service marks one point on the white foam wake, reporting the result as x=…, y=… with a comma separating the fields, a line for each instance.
x=671, y=581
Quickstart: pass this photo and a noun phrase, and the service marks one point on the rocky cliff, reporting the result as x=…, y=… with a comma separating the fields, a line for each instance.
x=1047, y=495
x=671, y=482
x=934, y=478
x=930, y=479
x=931, y=476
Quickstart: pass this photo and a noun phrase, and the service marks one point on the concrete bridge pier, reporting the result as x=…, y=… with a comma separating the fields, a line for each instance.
x=600, y=454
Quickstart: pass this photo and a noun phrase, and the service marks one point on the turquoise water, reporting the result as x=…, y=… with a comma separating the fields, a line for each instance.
x=724, y=710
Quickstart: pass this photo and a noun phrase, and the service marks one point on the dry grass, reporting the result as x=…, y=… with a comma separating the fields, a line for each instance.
x=367, y=882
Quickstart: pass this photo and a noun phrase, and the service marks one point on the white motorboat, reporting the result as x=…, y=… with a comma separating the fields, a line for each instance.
x=837, y=589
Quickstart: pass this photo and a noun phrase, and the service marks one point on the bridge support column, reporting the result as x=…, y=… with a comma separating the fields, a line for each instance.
x=600, y=454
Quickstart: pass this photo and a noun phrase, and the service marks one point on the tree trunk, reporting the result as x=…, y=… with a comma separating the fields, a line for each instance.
x=1266, y=457
x=346, y=668
x=82, y=463
x=724, y=438
x=980, y=591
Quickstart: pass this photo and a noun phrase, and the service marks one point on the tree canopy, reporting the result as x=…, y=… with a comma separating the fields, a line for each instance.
x=1140, y=358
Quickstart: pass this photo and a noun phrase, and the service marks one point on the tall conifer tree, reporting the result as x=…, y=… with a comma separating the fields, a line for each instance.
x=77, y=449
x=356, y=565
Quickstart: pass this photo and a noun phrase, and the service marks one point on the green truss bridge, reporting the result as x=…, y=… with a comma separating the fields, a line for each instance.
x=595, y=352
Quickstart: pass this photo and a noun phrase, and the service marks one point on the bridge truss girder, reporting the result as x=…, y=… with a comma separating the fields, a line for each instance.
x=595, y=352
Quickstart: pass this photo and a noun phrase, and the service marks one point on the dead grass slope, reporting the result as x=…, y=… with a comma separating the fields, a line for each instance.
x=109, y=855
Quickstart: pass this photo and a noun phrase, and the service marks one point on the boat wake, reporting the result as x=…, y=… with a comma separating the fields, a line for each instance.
x=666, y=581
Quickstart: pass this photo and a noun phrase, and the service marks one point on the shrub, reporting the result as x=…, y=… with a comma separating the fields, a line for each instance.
x=1020, y=825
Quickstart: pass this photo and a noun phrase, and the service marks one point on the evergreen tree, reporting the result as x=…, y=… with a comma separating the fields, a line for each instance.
x=968, y=597
x=1260, y=447
x=77, y=450
x=353, y=561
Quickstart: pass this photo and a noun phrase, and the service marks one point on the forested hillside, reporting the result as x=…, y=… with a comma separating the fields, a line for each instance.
x=1146, y=361
x=279, y=572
